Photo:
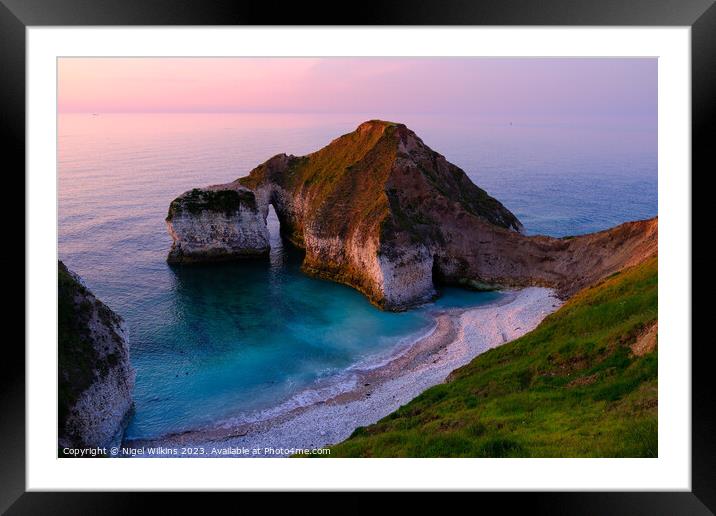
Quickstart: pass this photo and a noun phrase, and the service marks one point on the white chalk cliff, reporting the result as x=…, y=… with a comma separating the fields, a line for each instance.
x=95, y=375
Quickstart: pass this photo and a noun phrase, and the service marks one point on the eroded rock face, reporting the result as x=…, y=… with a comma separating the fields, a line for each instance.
x=361, y=208
x=210, y=225
x=95, y=375
x=379, y=210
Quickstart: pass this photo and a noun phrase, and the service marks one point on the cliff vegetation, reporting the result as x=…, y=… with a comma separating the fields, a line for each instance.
x=582, y=384
x=221, y=201
x=352, y=175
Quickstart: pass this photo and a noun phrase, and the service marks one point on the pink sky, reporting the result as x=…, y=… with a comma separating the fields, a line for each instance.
x=485, y=86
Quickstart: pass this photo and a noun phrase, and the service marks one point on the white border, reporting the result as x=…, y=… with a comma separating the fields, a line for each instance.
x=670, y=471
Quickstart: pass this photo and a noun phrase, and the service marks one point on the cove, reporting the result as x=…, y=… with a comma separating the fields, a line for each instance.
x=245, y=337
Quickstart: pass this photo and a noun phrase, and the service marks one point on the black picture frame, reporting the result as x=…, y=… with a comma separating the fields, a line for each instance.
x=17, y=15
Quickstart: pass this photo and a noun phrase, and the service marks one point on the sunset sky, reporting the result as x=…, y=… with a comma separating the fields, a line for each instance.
x=625, y=88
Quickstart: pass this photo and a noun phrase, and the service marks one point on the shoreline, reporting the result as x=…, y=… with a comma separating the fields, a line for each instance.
x=371, y=391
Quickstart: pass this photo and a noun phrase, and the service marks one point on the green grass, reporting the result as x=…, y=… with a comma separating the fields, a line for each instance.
x=570, y=388
x=352, y=176
x=221, y=201
x=347, y=176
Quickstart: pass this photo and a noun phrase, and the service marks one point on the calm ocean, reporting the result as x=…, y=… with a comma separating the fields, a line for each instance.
x=231, y=340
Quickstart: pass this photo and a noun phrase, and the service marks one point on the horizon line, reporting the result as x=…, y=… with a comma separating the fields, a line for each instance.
x=371, y=113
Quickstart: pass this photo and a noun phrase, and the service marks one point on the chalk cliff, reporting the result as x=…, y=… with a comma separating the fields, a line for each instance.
x=95, y=376
x=216, y=224
x=379, y=210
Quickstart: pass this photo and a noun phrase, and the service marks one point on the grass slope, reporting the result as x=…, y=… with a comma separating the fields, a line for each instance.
x=570, y=388
x=351, y=176
x=197, y=200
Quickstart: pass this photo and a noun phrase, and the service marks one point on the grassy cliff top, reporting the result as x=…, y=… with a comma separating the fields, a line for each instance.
x=349, y=181
x=584, y=383
x=223, y=201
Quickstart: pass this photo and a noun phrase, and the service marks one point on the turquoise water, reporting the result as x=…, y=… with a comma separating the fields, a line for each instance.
x=231, y=340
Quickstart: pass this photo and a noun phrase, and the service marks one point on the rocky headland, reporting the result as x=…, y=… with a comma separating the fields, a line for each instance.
x=379, y=210
x=95, y=378
x=216, y=224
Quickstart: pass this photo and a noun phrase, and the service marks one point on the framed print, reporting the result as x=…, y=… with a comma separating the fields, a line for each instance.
x=438, y=247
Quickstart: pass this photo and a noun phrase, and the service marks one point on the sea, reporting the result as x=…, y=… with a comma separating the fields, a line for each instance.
x=232, y=341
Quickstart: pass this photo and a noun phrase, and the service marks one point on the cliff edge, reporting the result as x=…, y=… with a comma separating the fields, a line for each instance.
x=95, y=378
